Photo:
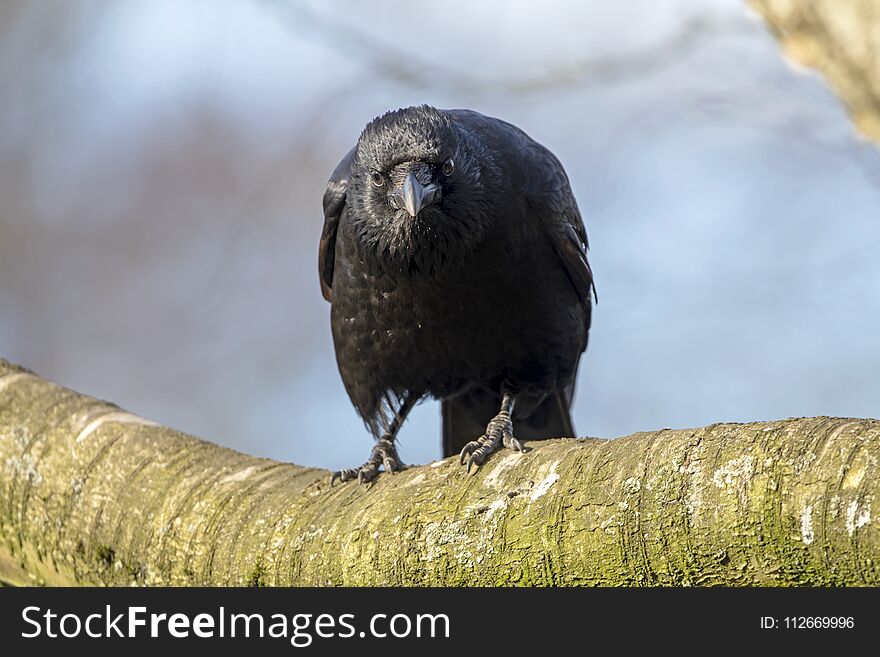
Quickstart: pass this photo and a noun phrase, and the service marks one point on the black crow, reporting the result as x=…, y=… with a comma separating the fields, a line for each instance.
x=455, y=260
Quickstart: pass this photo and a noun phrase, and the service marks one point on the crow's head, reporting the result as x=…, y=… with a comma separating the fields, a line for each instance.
x=421, y=188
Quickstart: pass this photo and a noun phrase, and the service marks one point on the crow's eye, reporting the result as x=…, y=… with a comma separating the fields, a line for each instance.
x=377, y=178
x=448, y=167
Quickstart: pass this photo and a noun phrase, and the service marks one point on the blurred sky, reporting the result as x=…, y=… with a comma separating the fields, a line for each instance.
x=162, y=165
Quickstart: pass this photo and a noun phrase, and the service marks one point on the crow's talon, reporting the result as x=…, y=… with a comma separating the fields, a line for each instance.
x=346, y=474
x=467, y=450
x=511, y=442
x=384, y=453
x=498, y=432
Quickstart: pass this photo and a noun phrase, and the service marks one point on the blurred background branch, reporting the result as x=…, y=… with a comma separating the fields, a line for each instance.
x=415, y=67
x=840, y=38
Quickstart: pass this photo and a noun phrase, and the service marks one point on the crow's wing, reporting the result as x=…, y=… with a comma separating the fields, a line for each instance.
x=551, y=199
x=540, y=176
x=334, y=203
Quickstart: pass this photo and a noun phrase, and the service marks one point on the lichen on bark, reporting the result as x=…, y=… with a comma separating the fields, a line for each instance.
x=90, y=494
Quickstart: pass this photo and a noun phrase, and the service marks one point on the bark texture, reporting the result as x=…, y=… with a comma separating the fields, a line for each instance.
x=840, y=38
x=90, y=494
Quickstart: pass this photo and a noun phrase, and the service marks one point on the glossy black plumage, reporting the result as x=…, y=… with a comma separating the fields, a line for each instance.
x=486, y=290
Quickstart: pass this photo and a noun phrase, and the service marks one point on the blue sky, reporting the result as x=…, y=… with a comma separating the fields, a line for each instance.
x=164, y=175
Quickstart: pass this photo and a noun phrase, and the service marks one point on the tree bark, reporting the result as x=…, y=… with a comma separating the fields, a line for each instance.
x=90, y=494
x=840, y=38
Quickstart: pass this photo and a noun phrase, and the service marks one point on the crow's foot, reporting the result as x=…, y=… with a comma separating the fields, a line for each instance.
x=499, y=431
x=384, y=453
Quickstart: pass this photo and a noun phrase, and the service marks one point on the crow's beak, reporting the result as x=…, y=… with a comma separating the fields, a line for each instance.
x=414, y=196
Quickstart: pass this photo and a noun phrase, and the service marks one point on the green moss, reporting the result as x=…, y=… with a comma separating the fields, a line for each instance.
x=258, y=575
x=105, y=555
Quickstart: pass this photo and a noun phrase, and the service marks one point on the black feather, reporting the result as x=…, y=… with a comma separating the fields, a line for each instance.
x=487, y=289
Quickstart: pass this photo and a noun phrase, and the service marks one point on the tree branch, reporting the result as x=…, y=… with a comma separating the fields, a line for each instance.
x=840, y=38
x=406, y=67
x=90, y=494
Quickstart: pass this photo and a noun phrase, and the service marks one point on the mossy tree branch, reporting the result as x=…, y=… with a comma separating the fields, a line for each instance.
x=90, y=494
